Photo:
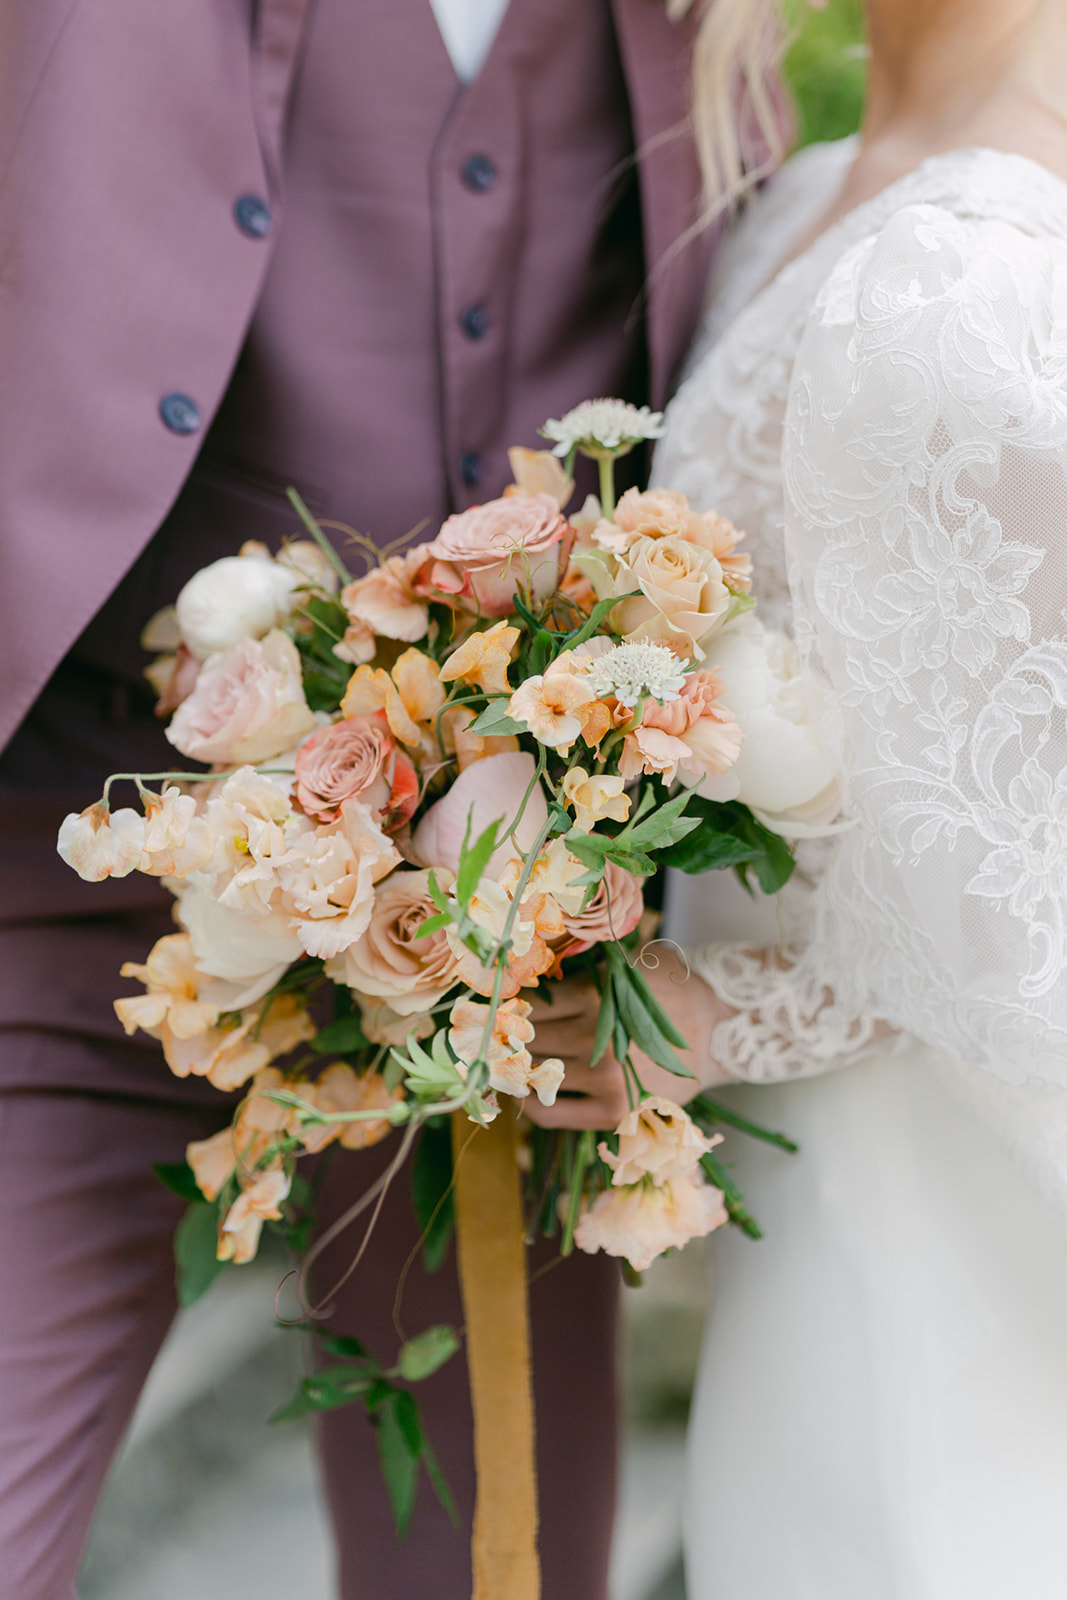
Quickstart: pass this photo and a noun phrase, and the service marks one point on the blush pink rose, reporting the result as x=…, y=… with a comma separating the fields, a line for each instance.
x=357, y=757
x=614, y=911
x=390, y=961
x=247, y=705
x=483, y=555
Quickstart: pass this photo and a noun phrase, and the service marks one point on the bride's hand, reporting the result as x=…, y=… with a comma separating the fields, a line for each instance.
x=596, y=1096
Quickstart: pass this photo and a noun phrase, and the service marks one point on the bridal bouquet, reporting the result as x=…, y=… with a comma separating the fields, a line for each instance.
x=434, y=789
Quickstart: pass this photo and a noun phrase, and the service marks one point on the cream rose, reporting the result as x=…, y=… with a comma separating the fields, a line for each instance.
x=483, y=555
x=390, y=962
x=356, y=757
x=248, y=705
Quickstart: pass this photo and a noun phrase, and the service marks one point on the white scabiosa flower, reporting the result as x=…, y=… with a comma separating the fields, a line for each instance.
x=630, y=671
x=603, y=428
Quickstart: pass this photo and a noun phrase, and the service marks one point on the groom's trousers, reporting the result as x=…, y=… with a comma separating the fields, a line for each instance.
x=86, y=1297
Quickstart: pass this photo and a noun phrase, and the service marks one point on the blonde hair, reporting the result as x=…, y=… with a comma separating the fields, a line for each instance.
x=739, y=116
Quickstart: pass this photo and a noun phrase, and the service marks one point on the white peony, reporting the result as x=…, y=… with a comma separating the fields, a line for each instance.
x=238, y=597
x=241, y=957
x=784, y=771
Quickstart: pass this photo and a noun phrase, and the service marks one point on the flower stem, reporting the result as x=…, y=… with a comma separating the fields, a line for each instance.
x=606, y=465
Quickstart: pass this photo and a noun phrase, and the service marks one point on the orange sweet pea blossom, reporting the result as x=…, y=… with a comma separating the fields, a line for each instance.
x=482, y=659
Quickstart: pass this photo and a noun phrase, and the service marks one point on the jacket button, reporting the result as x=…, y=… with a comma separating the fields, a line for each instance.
x=479, y=174
x=253, y=216
x=475, y=322
x=179, y=413
x=470, y=469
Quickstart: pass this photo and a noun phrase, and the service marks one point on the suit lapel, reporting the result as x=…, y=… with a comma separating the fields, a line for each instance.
x=278, y=33
x=655, y=56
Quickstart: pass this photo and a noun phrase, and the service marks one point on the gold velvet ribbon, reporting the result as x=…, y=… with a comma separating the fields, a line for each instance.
x=492, y=1275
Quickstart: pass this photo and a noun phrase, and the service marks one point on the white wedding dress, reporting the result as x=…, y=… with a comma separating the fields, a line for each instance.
x=881, y=1412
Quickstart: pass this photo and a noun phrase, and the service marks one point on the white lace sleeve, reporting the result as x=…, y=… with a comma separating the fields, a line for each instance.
x=924, y=459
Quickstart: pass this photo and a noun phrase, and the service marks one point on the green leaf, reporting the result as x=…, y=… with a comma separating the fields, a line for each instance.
x=423, y=1355
x=596, y=617
x=341, y=1038
x=443, y=919
x=494, y=720
x=730, y=836
x=440, y=1482
x=704, y=850
x=641, y=1027
x=431, y=1191
x=195, y=1246
x=399, y=1461
x=707, y=1112
x=733, y=1199
x=473, y=860
x=605, y=1024
x=774, y=865
x=329, y=1390
x=654, y=1009
x=179, y=1179
x=345, y=1346
x=542, y=649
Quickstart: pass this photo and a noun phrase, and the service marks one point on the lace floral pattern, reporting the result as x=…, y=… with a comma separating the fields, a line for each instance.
x=923, y=450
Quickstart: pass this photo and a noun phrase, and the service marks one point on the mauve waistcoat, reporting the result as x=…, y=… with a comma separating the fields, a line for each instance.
x=455, y=265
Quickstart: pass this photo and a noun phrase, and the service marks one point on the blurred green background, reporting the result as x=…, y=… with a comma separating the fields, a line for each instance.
x=826, y=67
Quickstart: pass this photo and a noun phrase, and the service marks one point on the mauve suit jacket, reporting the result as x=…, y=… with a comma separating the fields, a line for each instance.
x=123, y=277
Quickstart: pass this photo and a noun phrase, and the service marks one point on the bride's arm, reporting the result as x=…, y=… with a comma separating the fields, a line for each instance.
x=926, y=509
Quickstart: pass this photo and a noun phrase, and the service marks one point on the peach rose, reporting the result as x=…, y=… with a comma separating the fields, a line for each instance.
x=641, y=1221
x=390, y=961
x=648, y=514
x=390, y=600
x=657, y=1140
x=356, y=757
x=248, y=704
x=679, y=582
x=614, y=911
x=483, y=555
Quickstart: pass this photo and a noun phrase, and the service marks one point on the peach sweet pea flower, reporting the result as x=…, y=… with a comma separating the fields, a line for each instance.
x=356, y=757
x=483, y=555
x=511, y=1067
x=594, y=798
x=694, y=732
x=559, y=707
x=657, y=1140
x=170, y=1004
x=99, y=843
x=213, y=1162
x=614, y=911
x=176, y=840
x=261, y=1201
x=248, y=704
x=340, y=1088
x=391, y=961
x=471, y=747
x=641, y=1221
x=482, y=659
x=539, y=472
x=388, y=600
x=410, y=696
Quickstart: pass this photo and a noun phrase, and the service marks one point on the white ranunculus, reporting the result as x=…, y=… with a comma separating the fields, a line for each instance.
x=238, y=597
x=241, y=957
x=785, y=771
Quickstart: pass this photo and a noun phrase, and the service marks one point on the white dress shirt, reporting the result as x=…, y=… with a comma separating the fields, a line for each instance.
x=468, y=28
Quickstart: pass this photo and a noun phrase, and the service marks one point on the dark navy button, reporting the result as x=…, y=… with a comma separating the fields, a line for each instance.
x=253, y=216
x=479, y=174
x=179, y=413
x=475, y=322
x=471, y=469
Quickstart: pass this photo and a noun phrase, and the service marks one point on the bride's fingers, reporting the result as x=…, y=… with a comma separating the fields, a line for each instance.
x=578, y=1111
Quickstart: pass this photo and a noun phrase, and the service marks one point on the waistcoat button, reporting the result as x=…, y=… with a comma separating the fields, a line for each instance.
x=179, y=413
x=475, y=322
x=253, y=216
x=470, y=469
x=479, y=174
